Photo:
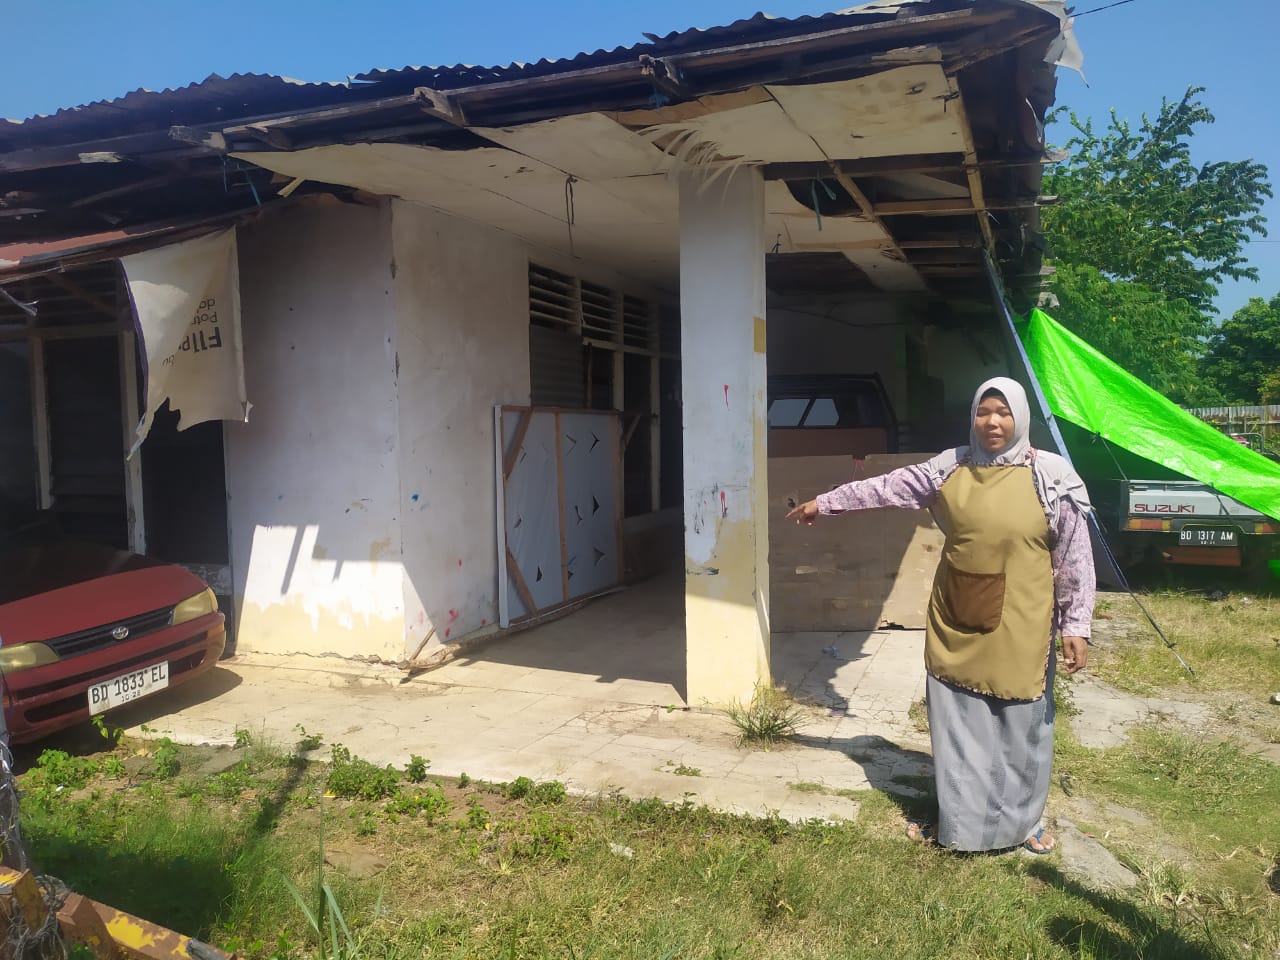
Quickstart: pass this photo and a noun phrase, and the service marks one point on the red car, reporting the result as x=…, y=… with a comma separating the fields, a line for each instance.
x=85, y=629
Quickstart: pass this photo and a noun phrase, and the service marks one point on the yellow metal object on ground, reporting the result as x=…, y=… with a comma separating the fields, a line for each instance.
x=109, y=933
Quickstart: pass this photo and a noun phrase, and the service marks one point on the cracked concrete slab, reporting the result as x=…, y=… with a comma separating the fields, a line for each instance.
x=1084, y=858
x=1107, y=714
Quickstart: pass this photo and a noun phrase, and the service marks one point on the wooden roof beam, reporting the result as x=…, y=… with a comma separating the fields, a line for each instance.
x=957, y=207
x=915, y=163
x=868, y=211
x=971, y=160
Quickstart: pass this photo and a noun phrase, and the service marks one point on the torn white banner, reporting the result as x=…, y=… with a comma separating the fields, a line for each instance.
x=187, y=300
x=1064, y=50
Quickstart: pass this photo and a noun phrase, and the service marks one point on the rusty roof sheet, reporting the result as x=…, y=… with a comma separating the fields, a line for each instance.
x=207, y=101
x=18, y=259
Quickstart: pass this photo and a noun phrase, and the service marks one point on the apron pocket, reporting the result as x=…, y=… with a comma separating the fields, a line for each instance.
x=975, y=600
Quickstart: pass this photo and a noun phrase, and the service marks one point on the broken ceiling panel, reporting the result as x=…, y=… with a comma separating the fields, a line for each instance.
x=759, y=133
x=451, y=179
x=590, y=146
x=502, y=189
x=897, y=112
x=797, y=229
x=917, y=186
x=886, y=271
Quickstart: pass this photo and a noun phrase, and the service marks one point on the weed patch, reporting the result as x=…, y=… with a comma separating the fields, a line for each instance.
x=1210, y=795
x=431, y=805
x=356, y=778
x=416, y=770
x=770, y=717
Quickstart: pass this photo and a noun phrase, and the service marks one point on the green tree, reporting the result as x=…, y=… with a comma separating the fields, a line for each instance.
x=1271, y=389
x=1155, y=339
x=1243, y=358
x=1142, y=236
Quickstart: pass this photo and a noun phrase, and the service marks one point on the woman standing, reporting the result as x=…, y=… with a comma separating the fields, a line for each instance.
x=1016, y=571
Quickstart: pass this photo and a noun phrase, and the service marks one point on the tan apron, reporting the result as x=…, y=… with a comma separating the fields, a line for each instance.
x=991, y=609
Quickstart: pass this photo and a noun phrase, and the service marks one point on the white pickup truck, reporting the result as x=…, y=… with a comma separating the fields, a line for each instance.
x=1186, y=522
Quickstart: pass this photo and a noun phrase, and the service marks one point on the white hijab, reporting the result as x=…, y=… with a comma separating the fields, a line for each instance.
x=1055, y=478
x=1016, y=450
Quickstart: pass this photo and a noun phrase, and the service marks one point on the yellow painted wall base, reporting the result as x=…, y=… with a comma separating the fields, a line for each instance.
x=727, y=655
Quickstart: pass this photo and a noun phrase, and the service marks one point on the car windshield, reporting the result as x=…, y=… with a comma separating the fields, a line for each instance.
x=840, y=405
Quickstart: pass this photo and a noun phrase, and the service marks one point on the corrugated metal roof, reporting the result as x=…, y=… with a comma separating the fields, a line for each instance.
x=19, y=258
x=758, y=25
x=249, y=94
x=209, y=100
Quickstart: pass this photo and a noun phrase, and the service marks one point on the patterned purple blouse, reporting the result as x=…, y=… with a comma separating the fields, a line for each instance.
x=1071, y=553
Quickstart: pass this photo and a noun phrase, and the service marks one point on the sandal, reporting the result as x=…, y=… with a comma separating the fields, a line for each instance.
x=920, y=832
x=1036, y=843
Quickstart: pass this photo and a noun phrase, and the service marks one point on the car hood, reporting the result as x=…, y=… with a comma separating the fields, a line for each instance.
x=52, y=590
x=29, y=570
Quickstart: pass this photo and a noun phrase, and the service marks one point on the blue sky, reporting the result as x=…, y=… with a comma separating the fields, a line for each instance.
x=66, y=52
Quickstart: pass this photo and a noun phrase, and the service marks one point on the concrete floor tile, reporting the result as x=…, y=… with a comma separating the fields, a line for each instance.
x=573, y=745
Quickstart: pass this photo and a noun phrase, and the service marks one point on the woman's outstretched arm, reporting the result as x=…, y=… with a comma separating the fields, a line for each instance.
x=910, y=488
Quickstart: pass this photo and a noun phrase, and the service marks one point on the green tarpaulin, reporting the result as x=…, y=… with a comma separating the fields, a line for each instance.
x=1085, y=388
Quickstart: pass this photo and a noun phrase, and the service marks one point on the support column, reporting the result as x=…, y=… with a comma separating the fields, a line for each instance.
x=722, y=309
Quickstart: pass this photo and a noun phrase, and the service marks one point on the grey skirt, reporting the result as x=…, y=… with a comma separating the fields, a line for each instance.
x=992, y=760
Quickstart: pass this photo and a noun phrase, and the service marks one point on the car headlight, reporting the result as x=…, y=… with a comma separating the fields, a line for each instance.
x=195, y=607
x=24, y=656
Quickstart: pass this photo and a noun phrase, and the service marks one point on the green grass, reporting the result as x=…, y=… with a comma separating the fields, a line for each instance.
x=1207, y=795
x=520, y=870
x=1230, y=644
x=503, y=870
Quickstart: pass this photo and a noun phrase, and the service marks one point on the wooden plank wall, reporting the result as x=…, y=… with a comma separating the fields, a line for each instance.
x=859, y=571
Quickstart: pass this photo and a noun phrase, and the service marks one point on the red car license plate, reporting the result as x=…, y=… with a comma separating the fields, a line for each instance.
x=127, y=687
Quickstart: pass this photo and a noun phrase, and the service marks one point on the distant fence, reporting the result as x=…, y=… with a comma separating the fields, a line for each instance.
x=1264, y=420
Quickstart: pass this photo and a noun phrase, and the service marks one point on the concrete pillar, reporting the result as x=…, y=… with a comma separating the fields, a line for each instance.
x=722, y=309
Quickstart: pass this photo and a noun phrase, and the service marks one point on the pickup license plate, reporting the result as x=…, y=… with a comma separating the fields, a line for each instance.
x=1209, y=537
x=127, y=687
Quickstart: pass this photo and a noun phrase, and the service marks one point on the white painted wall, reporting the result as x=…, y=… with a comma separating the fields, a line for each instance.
x=462, y=329
x=313, y=477
x=377, y=341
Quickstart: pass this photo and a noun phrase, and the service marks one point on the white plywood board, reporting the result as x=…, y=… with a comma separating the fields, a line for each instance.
x=761, y=133
x=532, y=512
x=589, y=465
x=590, y=146
x=897, y=112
